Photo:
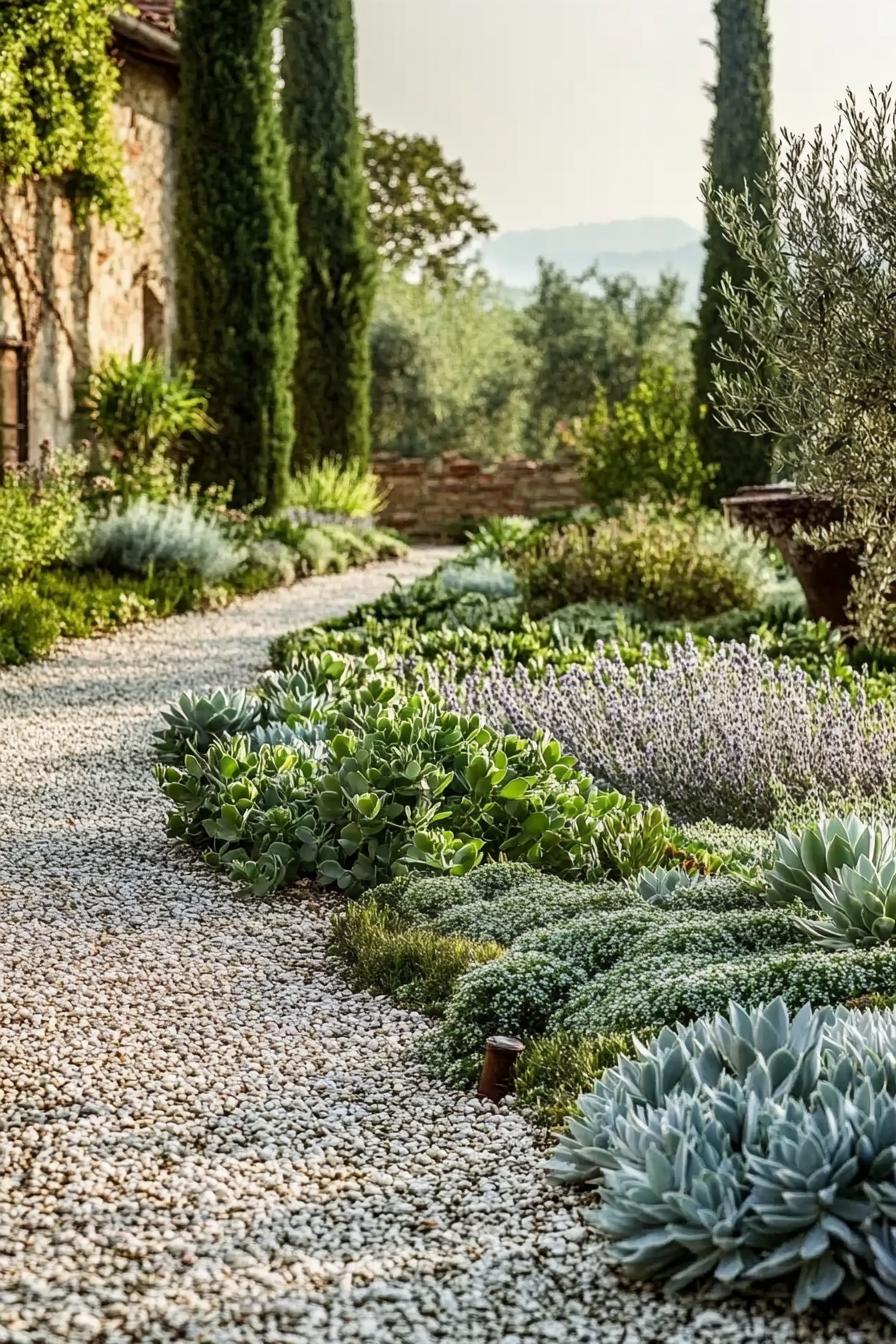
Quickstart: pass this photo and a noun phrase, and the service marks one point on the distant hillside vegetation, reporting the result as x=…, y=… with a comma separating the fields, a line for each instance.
x=643, y=247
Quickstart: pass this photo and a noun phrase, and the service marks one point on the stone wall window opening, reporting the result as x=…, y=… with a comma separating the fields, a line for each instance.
x=154, y=342
x=13, y=403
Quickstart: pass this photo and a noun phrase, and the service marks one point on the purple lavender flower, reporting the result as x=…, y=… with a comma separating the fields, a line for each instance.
x=725, y=735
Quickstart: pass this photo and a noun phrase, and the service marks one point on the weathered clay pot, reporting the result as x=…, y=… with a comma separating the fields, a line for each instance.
x=773, y=511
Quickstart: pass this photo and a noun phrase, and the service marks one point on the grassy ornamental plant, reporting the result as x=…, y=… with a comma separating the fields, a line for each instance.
x=140, y=415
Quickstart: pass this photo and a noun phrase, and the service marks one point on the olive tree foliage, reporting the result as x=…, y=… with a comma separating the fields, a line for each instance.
x=811, y=354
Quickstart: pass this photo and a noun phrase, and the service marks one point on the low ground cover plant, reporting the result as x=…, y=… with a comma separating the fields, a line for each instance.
x=335, y=770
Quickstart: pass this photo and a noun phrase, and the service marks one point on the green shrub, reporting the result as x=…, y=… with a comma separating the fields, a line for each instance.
x=643, y=447
x=416, y=967
x=40, y=518
x=331, y=486
x=553, y=1071
x=673, y=566
x=29, y=626
x=146, y=536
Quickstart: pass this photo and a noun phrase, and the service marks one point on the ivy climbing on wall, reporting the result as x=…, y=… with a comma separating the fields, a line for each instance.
x=58, y=81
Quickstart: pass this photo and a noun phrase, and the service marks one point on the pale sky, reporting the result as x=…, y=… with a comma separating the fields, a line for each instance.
x=573, y=111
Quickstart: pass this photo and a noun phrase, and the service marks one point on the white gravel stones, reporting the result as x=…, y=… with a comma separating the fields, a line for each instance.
x=203, y=1134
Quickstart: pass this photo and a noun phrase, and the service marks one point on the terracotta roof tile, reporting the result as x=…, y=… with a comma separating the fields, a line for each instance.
x=160, y=13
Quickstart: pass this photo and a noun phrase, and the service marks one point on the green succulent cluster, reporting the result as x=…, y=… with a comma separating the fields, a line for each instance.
x=857, y=905
x=751, y=1147
x=844, y=871
x=193, y=722
x=819, y=851
x=656, y=885
x=369, y=783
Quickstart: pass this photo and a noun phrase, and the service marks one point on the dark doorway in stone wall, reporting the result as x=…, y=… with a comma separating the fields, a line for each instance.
x=13, y=403
x=154, y=342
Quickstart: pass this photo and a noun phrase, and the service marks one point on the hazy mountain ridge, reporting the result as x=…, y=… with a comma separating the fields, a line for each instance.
x=643, y=247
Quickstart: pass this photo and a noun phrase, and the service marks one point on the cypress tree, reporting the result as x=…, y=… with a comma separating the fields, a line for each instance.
x=238, y=274
x=332, y=373
x=737, y=157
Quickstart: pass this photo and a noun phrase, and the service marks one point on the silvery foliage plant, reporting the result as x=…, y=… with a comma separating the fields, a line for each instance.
x=146, y=535
x=486, y=575
x=719, y=735
x=749, y=1147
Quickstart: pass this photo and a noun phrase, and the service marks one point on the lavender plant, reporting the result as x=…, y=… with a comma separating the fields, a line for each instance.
x=724, y=735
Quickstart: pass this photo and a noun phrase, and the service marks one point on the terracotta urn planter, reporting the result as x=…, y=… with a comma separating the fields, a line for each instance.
x=773, y=511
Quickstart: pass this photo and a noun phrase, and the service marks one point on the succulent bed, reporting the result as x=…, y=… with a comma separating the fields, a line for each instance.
x=594, y=826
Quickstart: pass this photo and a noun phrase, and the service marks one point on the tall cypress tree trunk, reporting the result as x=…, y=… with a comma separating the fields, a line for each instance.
x=742, y=97
x=332, y=372
x=238, y=276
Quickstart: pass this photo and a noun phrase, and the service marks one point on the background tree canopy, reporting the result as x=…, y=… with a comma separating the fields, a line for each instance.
x=421, y=210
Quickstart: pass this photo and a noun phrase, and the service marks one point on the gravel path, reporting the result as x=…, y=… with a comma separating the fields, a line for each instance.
x=203, y=1134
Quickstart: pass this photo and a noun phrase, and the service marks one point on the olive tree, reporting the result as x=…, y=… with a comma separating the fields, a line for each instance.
x=811, y=356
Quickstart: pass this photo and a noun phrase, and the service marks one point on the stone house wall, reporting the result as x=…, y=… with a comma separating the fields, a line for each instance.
x=429, y=497
x=96, y=290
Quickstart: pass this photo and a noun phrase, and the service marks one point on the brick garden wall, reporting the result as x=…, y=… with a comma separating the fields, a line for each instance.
x=428, y=497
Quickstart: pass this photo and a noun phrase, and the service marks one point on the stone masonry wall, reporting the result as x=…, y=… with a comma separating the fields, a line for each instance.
x=429, y=497
x=104, y=292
